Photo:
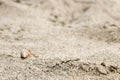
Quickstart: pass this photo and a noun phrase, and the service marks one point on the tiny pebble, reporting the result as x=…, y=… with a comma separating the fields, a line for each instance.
x=102, y=70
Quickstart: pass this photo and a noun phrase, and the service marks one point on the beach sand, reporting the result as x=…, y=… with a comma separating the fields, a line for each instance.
x=68, y=39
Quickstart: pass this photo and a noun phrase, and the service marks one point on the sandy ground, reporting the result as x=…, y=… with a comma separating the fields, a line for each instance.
x=69, y=39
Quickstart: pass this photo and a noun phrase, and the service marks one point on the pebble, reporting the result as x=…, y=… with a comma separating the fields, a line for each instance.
x=85, y=67
x=102, y=70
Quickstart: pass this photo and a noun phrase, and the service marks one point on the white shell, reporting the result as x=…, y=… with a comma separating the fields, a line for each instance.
x=24, y=54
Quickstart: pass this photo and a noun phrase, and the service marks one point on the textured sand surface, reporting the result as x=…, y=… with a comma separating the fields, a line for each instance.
x=68, y=39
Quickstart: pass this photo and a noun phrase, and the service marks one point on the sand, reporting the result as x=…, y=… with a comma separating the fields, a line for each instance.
x=68, y=39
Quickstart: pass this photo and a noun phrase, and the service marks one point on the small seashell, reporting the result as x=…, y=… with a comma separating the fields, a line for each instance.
x=25, y=54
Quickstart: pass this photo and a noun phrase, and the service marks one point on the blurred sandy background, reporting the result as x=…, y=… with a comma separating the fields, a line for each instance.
x=69, y=39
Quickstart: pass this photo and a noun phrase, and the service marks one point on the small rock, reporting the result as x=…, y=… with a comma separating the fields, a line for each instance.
x=25, y=54
x=85, y=67
x=102, y=70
